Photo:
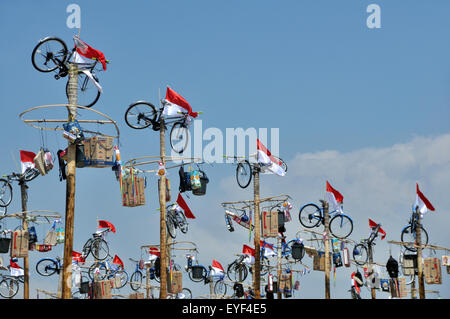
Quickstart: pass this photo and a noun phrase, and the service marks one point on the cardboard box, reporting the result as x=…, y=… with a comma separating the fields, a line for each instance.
x=133, y=195
x=136, y=295
x=269, y=224
x=102, y=289
x=175, y=285
x=19, y=244
x=285, y=282
x=99, y=151
x=432, y=271
x=403, y=293
x=319, y=261
x=409, y=265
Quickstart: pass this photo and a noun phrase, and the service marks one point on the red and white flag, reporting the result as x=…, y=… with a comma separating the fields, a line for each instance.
x=176, y=104
x=77, y=257
x=250, y=252
x=185, y=207
x=89, y=52
x=106, y=224
x=422, y=202
x=118, y=261
x=217, y=269
x=334, y=197
x=15, y=269
x=270, y=164
x=27, y=160
x=268, y=249
x=154, y=253
x=372, y=224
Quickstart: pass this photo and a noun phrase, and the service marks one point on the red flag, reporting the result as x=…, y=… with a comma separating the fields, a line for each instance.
x=174, y=98
x=185, y=207
x=217, y=267
x=118, y=261
x=372, y=224
x=106, y=224
x=154, y=251
x=248, y=250
x=76, y=256
x=421, y=201
x=27, y=159
x=338, y=196
x=89, y=52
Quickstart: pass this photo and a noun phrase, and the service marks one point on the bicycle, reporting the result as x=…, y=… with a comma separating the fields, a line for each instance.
x=238, y=270
x=142, y=114
x=51, y=54
x=6, y=193
x=105, y=270
x=175, y=219
x=48, y=266
x=340, y=225
x=294, y=249
x=360, y=251
x=97, y=245
x=245, y=170
x=9, y=285
x=409, y=232
x=138, y=275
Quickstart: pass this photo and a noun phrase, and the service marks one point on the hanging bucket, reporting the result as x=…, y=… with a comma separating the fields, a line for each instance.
x=297, y=251
x=203, y=181
x=4, y=245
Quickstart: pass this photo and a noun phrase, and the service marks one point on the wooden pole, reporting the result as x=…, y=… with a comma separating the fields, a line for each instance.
x=327, y=250
x=70, y=188
x=257, y=223
x=419, y=255
x=26, y=283
x=162, y=226
x=372, y=290
x=413, y=288
x=147, y=281
x=279, y=295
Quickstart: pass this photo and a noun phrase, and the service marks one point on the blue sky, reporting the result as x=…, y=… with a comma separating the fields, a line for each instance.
x=354, y=105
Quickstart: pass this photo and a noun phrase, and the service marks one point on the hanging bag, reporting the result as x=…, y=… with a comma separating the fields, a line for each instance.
x=203, y=181
x=39, y=162
x=4, y=244
x=51, y=237
x=32, y=235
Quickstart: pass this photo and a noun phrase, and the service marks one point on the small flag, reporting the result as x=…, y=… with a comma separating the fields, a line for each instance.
x=27, y=160
x=217, y=269
x=118, y=261
x=106, y=224
x=334, y=197
x=185, y=207
x=175, y=104
x=422, y=202
x=270, y=165
x=372, y=224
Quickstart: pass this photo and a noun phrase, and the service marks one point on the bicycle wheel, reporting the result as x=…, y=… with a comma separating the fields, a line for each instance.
x=88, y=93
x=179, y=137
x=264, y=267
x=310, y=215
x=341, y=226
x=48, y=54
x=409, y=236
x=244, y=174
x=86, y=248
x=136, y=280
x=140, y=115
x=360, y=254
x=6, y=193
x=182, y=223
x=9, y=288
x=99, y=268
x=220, y=288
x=237, y=272
x=99, y=249
x=171, y=226
x=46, y=267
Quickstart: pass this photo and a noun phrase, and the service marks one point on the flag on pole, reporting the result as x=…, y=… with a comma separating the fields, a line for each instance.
x=250, y=252
x=77, y=257
x=106, y=224
x=372, y=224
x=27, y=160
x=15, y=269
x=217, y=269
x=89, y=52
x=154, y=253
x=334, y=197
x=118, y=261
x=270, y=164
x=185, y=207
x=175, y=103
x=422, y=202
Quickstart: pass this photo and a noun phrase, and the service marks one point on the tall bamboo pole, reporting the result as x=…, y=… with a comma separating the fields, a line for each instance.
x=327, y=250
x=26, y=283
x=70, y=187
x=279, y=295
x=257, y=223
x=162, y=217
x=419, y=255
x=372, y=290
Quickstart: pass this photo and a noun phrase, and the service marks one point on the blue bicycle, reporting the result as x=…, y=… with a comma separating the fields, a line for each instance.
x=48, y=266
x=311, y=215
x=294, y=249
x=107, y=270
x=139, y=273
